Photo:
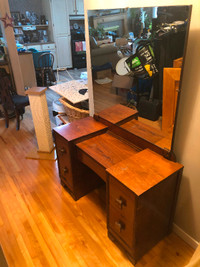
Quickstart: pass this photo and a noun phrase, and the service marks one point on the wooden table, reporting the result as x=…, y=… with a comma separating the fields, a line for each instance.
x=142, y=185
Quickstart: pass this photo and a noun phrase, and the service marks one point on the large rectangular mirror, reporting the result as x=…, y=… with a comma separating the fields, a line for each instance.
x=137, y=57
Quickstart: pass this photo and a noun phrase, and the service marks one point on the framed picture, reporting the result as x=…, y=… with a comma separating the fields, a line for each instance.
x=16, y=17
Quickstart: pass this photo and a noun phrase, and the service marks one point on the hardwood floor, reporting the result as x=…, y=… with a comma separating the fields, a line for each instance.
x=41, y=225
x=105, y=97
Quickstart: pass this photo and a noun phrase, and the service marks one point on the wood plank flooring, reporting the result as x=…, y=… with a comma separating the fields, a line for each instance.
x=41, y=225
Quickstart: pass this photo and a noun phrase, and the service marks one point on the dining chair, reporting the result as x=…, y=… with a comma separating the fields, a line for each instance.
x=45, y=68
x=11, y=101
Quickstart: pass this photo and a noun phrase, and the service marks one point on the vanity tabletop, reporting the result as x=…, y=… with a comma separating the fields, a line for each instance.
x=143, y=171
x=80, y=128
x=107, y=149
x=117, y=114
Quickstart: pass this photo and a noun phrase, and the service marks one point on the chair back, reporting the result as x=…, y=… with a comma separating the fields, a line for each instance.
x=5, y=92
x=46, y=60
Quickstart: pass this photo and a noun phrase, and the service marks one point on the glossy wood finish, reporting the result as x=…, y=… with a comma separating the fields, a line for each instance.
x=171, y=84
x=41, y=225
x=77, y=130
x=142, y=185
x=147, y=133
x=178, y=63
x=141, y=200
x=146, y=168
x=136, y=132
x=117, y=114
x=77, y=178
x=103, y=151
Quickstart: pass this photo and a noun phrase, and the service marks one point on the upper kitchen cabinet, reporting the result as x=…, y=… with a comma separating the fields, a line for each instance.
x=76, y=7
x=61, y=32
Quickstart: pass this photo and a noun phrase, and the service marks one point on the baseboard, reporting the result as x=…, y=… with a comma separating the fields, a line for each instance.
x=187, y=238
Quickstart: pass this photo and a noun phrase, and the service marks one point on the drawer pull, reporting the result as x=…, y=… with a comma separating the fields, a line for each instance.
x=120, y=202
x=62, y=150
x=66, y=170
x=119, y=226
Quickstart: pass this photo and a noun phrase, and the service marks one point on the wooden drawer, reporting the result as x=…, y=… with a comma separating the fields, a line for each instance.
x=122, y=199
x=64, y=162
x=37, y=47
x=123, y=227
x=48, y=47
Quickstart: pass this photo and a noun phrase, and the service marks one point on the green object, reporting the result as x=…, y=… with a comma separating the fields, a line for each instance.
x=135, y=62
x=142, y=63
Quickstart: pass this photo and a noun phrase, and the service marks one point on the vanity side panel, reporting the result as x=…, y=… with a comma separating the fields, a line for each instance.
x=79, y=179
x=154, y=215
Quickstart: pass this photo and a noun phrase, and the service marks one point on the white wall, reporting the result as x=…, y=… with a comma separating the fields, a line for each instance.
x=187, y=138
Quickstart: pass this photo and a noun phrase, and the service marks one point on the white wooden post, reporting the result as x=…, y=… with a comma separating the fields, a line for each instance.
x=40, y=114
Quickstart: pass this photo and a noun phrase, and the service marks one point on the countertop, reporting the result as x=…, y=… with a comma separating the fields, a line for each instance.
x=38, y=43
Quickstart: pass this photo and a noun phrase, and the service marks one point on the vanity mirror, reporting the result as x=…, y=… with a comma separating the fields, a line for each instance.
x=137, y=59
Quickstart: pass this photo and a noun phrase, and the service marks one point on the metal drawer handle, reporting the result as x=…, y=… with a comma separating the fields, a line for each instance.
x=120, y=202
x=119, y=226
x=66, y=170
x=62, y=150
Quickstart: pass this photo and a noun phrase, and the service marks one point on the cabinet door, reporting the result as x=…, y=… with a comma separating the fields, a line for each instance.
x=80, y=7
x=55, y=58
x=61, y=30
x=71, y=7
x=63, y=48
x=60, y=17
x=76, y=7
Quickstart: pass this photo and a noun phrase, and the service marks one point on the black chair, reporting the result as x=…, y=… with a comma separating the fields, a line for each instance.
x=45, y=68
x=11, y=101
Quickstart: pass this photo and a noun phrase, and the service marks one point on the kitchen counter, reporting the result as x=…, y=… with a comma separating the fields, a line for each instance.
x=38, y=43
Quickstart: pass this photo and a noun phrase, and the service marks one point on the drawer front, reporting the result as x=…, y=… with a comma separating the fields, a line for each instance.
x=37, y=47
x=122, y=199
x=121, y=226
x=64, y=162
x=48, y=46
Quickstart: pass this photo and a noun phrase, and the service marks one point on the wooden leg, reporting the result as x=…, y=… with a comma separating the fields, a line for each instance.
x=6, y=117
x=18, y=119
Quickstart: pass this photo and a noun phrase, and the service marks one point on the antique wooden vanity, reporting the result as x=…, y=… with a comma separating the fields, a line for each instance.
x=131, y=152
x=142, y=180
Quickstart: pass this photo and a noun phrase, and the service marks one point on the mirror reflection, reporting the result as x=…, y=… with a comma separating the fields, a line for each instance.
x=137, y=56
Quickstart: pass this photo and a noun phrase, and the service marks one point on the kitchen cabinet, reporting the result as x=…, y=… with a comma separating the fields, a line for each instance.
x=61, y=32
x=76, y=7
